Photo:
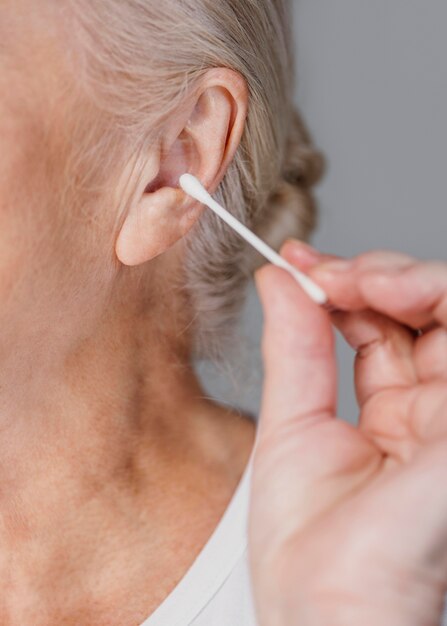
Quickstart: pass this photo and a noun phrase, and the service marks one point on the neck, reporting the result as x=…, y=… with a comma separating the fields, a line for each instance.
x=95, y=438
x=114, y=392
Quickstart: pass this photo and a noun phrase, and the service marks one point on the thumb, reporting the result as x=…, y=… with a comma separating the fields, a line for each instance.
x=298, y=349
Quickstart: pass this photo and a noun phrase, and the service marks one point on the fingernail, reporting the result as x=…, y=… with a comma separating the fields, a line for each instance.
x=300, y=251
x=333, y=267
x=301, y=245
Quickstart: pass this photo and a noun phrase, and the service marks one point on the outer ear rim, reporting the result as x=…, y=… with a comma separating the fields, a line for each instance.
x=240, y=96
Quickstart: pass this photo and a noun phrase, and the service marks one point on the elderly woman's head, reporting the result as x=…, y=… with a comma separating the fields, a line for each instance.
x=102, y=106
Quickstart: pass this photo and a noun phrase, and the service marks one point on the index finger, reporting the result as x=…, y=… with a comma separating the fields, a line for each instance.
x=409, y=291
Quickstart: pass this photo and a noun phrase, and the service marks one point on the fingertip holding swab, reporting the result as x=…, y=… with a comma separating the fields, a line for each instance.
x=194, y=188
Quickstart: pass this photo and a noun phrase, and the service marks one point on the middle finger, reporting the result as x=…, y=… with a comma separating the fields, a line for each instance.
x=384, y=349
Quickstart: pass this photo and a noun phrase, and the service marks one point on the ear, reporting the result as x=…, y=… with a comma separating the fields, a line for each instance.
x=201, y=140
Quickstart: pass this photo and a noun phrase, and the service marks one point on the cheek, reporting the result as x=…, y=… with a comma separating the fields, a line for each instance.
x=37, y=249
x=14, y=204
x=49, y=277
x=56, y=252
x=22, y=198
x=20, y=264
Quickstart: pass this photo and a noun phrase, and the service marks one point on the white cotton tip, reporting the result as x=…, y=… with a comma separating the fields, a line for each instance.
x=195, y=189
x=314, y=291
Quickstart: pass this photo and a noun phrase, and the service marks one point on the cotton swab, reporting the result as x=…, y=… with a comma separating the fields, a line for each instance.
x=194, y=188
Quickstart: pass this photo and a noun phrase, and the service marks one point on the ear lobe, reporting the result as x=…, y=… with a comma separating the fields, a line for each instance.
x=152, y=227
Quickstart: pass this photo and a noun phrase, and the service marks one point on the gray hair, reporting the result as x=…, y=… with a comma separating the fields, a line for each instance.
x=141, y=52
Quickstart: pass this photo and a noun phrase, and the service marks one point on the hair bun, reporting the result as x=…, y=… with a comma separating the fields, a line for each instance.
x=291, y=209
x=303, y=164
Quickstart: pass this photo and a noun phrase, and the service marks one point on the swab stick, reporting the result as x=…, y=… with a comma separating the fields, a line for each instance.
x=194, y=188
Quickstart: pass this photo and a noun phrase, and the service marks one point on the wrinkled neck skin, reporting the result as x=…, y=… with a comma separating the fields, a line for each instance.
x=114, y=467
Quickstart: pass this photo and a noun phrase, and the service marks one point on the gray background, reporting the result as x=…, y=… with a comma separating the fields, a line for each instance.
x=372, y=85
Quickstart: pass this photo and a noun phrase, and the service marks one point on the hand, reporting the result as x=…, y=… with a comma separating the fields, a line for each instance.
x=348, y=526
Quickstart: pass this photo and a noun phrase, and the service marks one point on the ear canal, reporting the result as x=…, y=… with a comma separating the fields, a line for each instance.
x=181, y=157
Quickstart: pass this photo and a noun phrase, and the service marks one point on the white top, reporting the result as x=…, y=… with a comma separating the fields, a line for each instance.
x=216, y=590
